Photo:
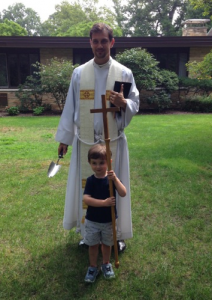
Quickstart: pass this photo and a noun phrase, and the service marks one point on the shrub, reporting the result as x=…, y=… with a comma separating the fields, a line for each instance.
x=38, y=110
x=143, y=65
x=13, y=110
x=160, y=100
x=30, y=93
x=198, y=103
x=55, y=78
x=196, y=86
x=168, y=80
x=149, y=76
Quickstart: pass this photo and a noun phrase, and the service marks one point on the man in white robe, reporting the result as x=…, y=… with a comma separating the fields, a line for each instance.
x=93, y=80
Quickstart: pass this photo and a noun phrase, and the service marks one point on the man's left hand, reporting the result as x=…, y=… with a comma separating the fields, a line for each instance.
x=118, y=99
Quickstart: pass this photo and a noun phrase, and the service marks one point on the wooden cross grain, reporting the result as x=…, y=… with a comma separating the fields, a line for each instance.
x=104, y=110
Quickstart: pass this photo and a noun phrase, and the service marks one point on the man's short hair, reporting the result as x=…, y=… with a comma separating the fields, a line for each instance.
x=100, y=27
x=97, y=151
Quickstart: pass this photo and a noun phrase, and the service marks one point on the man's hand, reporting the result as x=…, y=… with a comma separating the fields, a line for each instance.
x=118, y=99
x=62, y=148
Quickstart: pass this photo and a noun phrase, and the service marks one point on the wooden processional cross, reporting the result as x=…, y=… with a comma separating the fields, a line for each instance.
x=104, y=110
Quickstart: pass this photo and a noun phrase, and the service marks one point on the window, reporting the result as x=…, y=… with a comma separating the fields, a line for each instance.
x=172, y=59
x=16, y=65
x=3, y=70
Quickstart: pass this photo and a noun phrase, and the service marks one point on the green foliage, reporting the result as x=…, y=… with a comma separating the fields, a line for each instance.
x=202, y=69
x=206, y=6
x=168, y=80
x=76, y=19
x=27, y=18
x=167, y=83
x=12, y=111
x=187, y=82
x=193, y=12
x=149, y=77
x=195, y=86
x=202, y=104
x=55, y=79
x=160, y=100
x=10, y=28
x=83, y=29
x=38, y=110
x=143, y=65
x=150, y=18
x=30, y=93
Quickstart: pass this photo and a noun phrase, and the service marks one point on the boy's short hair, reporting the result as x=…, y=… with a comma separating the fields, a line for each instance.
x=100, y=27
x=97, y=151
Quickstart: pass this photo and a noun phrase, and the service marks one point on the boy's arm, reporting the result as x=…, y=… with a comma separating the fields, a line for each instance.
x=121, y=189
x=111, y=201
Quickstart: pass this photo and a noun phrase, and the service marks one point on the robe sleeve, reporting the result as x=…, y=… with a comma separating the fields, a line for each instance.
x=132, y=101
x=67, y=127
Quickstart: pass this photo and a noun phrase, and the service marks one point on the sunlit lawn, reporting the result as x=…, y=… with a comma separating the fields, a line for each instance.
x=170, y=255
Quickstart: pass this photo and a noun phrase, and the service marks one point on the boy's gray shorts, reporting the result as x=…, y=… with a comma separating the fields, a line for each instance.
x=98, y=232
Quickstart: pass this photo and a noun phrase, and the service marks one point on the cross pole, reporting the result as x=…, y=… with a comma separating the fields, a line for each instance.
x=104, y=110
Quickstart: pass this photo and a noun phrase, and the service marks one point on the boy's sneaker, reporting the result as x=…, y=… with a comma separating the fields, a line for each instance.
x=107, y=271
x=91, y=274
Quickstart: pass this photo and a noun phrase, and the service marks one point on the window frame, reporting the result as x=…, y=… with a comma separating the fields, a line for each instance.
x=178, y=51
x=18, y=51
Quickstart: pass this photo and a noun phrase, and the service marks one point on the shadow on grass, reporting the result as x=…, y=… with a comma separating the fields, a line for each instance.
x=58, y=274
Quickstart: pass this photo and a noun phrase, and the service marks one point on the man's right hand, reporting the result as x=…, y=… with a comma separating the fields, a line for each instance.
x=62, y=148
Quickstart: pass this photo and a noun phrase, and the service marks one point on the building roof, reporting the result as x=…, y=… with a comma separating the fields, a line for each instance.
x=120, y=42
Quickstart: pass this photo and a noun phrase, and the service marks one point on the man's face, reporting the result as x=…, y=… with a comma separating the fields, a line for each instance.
x=101, y=45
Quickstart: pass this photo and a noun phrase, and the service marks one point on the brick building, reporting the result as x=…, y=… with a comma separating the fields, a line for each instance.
x=17, y=54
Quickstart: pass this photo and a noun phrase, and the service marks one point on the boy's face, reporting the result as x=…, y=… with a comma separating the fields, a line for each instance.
x=99, y=167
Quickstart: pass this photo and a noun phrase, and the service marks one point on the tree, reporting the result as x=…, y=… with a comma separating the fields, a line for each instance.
x=83, y=29
x=205, y=5
x=75, y=19
x=10, y=28
x=25, y=17
x=150, y=18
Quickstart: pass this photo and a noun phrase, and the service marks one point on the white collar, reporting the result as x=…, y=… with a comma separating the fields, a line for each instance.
x=104, y=66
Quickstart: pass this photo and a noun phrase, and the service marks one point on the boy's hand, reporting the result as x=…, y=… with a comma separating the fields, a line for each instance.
x=111, y=175
x=111, y=201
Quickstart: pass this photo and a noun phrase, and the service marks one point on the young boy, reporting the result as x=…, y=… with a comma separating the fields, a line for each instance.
x=98, y=220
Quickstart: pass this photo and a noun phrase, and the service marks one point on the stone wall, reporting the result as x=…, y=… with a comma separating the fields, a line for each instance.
x=198, y=53
x=12, y=100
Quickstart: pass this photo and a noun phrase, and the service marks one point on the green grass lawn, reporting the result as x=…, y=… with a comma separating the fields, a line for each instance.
x=170, y=255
